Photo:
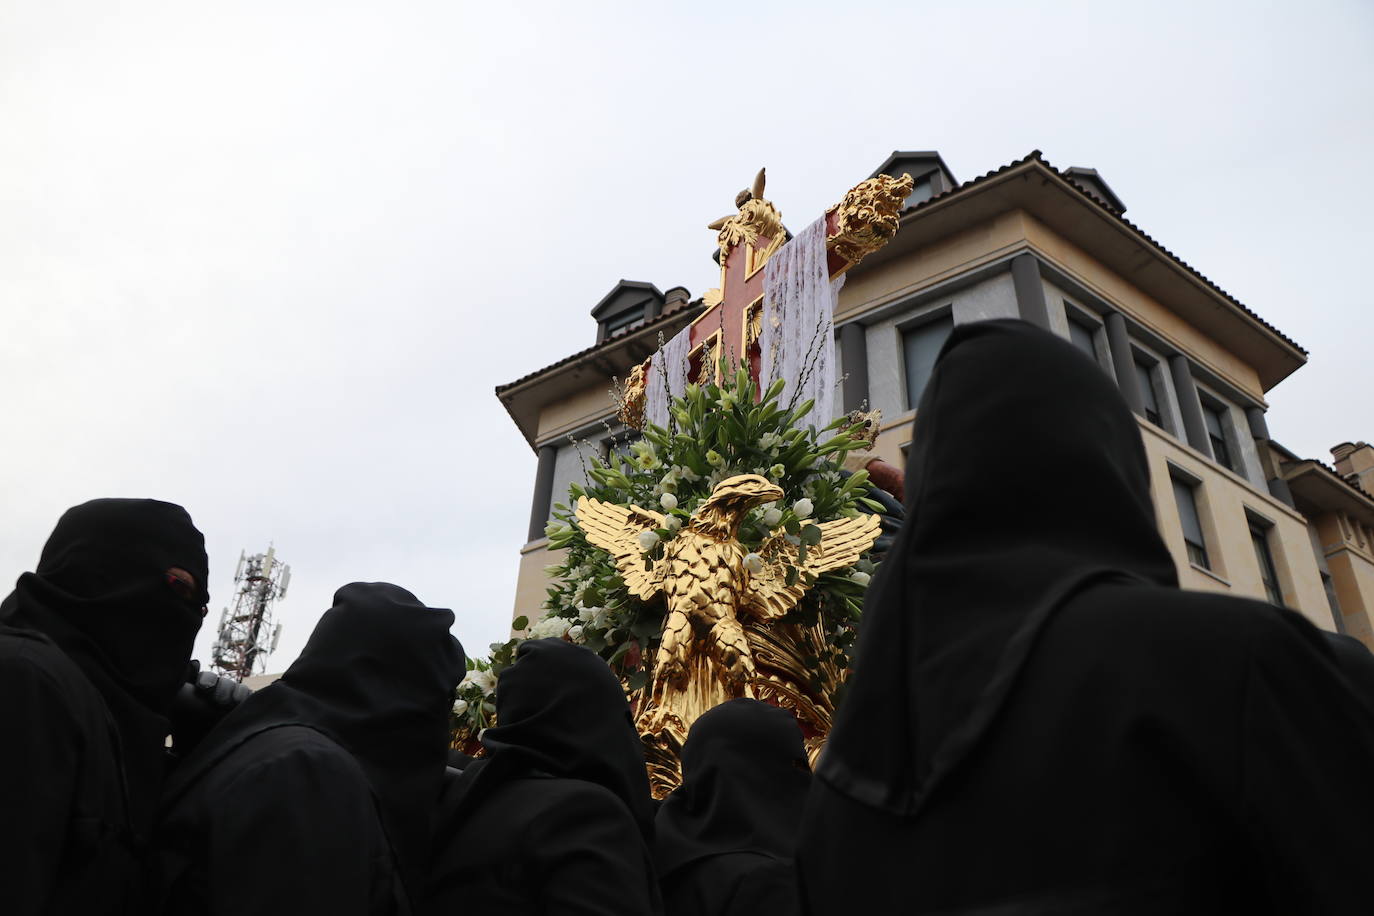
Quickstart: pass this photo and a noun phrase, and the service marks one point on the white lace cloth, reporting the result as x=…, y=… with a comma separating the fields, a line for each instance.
x=797, y=342
x=667, y=377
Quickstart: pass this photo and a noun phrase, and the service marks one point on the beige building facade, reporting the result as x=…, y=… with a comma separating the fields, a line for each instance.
x=1240, y=514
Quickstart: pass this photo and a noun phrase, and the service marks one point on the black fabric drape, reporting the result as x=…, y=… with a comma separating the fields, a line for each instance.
x=744, y=781
x=725, y=838
x=1356, y=663
x=561, y=711
x=1026, y=480
x=93, y=646
x=558, y=817
x=1040, y=721
x=376, y=678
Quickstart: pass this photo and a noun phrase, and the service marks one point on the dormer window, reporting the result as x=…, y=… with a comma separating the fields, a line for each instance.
x=618, y=324
x=920, y=191
x=629, y=305
x=929, y=174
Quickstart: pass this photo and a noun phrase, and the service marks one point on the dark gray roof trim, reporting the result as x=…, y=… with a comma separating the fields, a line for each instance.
x=1035, y=156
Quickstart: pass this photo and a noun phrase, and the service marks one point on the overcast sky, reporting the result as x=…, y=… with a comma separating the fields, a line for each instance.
x=269, y=260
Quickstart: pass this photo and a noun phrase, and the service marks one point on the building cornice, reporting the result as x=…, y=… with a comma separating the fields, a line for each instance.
x=1322, y=488
x=1033, y=185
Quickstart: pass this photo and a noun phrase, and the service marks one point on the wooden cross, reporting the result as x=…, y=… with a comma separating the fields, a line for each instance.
x=730, y=325
x=728, y=329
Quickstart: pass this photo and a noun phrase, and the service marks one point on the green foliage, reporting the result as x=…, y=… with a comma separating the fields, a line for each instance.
x=714, y=432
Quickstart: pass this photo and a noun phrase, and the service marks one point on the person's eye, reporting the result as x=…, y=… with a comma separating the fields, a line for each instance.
x=181, y=587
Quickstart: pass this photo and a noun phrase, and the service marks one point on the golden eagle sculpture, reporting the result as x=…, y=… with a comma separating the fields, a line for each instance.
x=724, y=608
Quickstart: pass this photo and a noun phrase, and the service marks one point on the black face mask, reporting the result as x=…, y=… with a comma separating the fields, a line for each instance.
x=101, y=592
x=561, y=710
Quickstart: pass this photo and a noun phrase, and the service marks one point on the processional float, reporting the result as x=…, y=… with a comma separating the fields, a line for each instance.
x=724, y=633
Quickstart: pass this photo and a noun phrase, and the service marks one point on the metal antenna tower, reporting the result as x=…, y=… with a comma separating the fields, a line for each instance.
x=247, y=634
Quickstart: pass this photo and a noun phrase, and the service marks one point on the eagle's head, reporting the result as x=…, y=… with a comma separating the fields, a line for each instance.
x=736, y=495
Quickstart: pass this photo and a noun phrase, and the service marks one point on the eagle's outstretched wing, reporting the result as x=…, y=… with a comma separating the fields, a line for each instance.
x=616, y=530
x=843, y=541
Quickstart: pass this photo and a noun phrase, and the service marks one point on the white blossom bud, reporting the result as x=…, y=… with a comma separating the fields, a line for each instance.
x=668, y=501
x=862, y=578
x=647, y=540
x=460, y=707
x=802, y=508
x=754, y=563
x=771, y=516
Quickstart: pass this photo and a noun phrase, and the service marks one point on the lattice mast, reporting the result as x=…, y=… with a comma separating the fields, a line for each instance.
x=247, y=633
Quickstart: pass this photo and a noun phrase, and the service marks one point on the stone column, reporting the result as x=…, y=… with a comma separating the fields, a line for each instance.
x=854, y=361
x=1259, y=431
x=1190, y=405
x=543, y=492
x=1030, y=292
x=1123, y=361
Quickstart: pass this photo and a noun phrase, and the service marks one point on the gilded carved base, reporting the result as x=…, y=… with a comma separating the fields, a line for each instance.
x=782, y=678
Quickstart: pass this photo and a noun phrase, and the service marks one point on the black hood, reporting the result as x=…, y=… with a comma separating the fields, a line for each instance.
x=100, y=593
x=1027, y=481
x=377, y=676
x=562, y=711
x=744, y=782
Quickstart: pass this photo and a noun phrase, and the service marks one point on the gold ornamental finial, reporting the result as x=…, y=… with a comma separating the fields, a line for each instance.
x=867, y=216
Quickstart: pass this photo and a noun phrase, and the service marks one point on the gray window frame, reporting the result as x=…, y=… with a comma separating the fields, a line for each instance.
x=1215, y=409
x=636, y=314
x=1261, y=531
x=1086, y=320
x=943, y=313
x=1198, y=553
x=1150, y=365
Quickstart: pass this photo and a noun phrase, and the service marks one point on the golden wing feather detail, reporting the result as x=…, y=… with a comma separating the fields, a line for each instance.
x=843, y=541
x=616, y=530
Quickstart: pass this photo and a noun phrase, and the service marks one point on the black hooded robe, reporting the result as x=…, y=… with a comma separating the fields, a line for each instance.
x=315, y=795
x=558, y=818
x=93, y=645
x=725, y=838
x=1040, y=721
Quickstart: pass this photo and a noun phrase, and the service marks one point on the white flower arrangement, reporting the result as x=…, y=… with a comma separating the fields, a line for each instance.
x=676, y=469
x=554, y=627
